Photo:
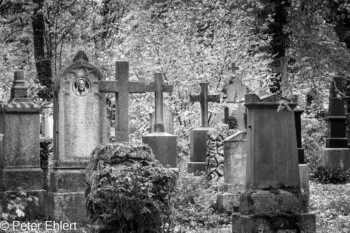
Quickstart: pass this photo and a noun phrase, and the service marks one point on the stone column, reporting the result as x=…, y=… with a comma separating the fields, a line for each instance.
x=272, y=200
x=336, y=154
x=19, y=147
x=303, y=168
x=235, y=148
x=47, y=120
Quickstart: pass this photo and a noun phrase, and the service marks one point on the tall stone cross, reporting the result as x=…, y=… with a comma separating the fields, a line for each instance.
x=159, y=89
x=204, y=98
x=122, y=87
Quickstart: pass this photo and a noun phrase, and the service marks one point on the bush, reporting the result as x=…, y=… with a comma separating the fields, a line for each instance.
x=129, y=191
x=325, y=175
x=13, y=205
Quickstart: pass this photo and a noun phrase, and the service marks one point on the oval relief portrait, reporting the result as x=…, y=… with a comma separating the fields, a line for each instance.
x=81, y=86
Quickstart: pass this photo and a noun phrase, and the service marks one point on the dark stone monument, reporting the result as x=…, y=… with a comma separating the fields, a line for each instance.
x=80, y=124
x=336, y=154
x=198, y=136
x=303, y=167
x=19, y=146
x=163, y=145
x=272, y=200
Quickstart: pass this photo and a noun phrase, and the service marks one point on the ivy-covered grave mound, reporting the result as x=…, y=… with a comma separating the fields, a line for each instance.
x=128, y=189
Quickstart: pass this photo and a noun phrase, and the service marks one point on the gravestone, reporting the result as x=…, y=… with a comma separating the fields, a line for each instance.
x=19, y=145
x=47, y=120
x=163, y=145
x=168, y=116
x=198, y=136
x=272, y=200
x=303, y=167
x=122, y=87
x=235, y=149
x=336, y=154
x=235, y=108
x=80, y=124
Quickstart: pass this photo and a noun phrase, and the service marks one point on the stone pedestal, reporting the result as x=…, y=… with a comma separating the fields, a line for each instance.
x=19, y=146
x=164, y=147
x=336, y=154
x=198, y=149
x=272, y=200
x=80, y=125
x=235, y=148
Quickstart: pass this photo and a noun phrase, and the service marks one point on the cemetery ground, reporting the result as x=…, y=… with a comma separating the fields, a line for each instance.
x=195, y=211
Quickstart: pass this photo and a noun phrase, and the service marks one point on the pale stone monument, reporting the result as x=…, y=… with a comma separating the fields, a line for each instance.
x=235, y=108
x=336, y=154
x=235, y=156
x=168, y=116
x=272, y=200
x=19, y=146
x=47, y=120
x=80, y=124
x=164, y=145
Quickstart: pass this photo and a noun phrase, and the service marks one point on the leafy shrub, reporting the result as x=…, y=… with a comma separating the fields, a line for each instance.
x=194, y=203
x=129, y=191
x=326, y=175
x=13, y=205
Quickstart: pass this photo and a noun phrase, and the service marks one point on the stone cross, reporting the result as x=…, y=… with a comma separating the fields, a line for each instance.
x=122, y=87
x=159, y=89
x=203, y=98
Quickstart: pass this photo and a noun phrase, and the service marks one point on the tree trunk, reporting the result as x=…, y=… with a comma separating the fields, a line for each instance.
x=42, y=62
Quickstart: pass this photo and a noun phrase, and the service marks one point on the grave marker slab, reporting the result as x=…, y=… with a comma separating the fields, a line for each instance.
x=198, y=136
x=336, y=154
x=80, y=124
x=164, y=145
x=272, y=190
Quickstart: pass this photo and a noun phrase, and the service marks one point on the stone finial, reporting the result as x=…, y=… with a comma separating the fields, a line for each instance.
x=80, y=57
x=19, y=87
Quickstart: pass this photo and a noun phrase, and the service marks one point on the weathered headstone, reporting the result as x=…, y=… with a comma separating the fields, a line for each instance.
x=198, y=136
x=80, y=124
x=272, y=200
x=168, y=116
x=235, y=108
x=164, y=145
x=336, y=154
x=235, y=149
x=47, y=120
x=303, y=167
x=19, y=145
x=122, y=87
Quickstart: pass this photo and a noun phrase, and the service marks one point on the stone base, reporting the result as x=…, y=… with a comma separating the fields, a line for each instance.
x=25, y=178
x=193, y=167
x=336, y=158
x=164, y=147
x=227, y=202
x=67, y=180
x=68, y=207
x=198, y=148
x=33, y=211
x=272, y=201
x=271, y=223
x=304, y=180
